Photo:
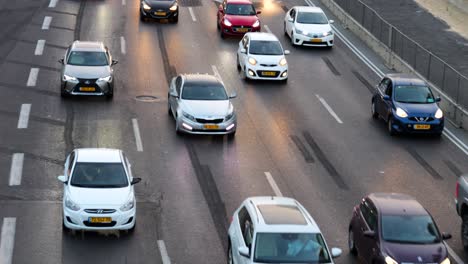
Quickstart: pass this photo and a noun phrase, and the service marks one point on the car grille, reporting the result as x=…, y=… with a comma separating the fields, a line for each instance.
x=263, y=74
x=87, y=83
x=268, y=65
x=314, y=43
x=210, y=121
x=421, y=118
x=111, y=224
x=100, y=211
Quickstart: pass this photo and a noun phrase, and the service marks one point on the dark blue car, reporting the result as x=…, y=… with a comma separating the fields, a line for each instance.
x=407, y=104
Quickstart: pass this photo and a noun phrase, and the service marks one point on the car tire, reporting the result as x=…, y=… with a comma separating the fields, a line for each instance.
x=391, y=130
x=177, y=129
x=142, y=17
x=217, y=24
x=292, y=39
x=285, y=81
x=464, y=231
x=63, y=94
x=110, y=95
x=284, y=30
x=169, y=110
x=230, y=259
x=223, y=36
x=175, y=20
x=375, y=115
x=246, y=78
x=351, y=242
x=231, y=136
x=239, y=68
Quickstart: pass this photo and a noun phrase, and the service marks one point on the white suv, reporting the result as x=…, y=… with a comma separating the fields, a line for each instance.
x=276, y=230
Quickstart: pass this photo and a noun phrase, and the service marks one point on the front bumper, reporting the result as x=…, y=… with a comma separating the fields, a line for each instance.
x=312, y=41
x=258, y=72
x=238, y=30
x=82, y=87
x=191, y=127
x=159, y=13
x=405, y=125
x=78, y=220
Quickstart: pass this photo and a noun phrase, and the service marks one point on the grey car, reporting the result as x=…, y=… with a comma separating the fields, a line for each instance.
x=461, y=204
x=87, y=70
x=201, y=105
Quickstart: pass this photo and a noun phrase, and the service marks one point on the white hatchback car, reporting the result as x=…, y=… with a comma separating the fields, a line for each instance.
x=308, y=26
x=261, y=56
x=276, y=230
x=98, y=190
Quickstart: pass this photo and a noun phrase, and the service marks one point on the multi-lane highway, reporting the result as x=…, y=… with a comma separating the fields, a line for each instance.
x=312, y=139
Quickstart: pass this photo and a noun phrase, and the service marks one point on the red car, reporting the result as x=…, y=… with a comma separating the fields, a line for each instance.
x=237, y=17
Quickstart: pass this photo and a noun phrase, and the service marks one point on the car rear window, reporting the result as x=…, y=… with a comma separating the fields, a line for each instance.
x=87, y=58
x=99, y=175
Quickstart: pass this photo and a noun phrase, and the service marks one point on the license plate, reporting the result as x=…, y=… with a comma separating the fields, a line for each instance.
x=316, y=40
x=211, y=126
x=87, y=89
x=268, y=73
x=422, y=127
x=160, y=13
x=100, y=219
x=242, y=30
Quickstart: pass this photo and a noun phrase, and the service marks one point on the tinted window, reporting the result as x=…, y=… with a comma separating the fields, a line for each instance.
x=265, y=47
x=204, y=92
x=311, y=18
x=414, y=94
x=290, y=248
x=418, y=229
x=246, y=226
x=70, y=163
x=99, y=175
x=240, y=10
x=87, y=58
x=370, y=214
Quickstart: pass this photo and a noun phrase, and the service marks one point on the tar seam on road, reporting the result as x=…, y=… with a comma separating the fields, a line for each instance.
x=273, y=184
x=46, y=23
x=331, y=66
x=32, y=79
x=17, y=88
x=136, y=132
x=79, y=19
x=325, y=162
x=47, y=44
x=302, y=148
x=162, y=249
x=363, y=80
x=16, y=169
x=453, y=167
x=35, y=118
x=39, y=47
x=424, y=163
x=210, y=192
x=7, y=240
x=23, y=119
x=35, y=66
x=169, y=70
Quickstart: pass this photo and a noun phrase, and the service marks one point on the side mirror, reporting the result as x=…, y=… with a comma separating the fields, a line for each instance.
x=136, y=180
x=331, y=21
x=114, y=62
x=243, y=51
x=174, y=94
x=437, y=99
x=386, y=97
x=220, y=9
x=259, y=12
x=446, y=236
x=287, y=52
x=336, y=252
x=290, y=19
x=233, y=95
x=62, y=178
x=369, y=233
x=61, y=61
x=244, y=251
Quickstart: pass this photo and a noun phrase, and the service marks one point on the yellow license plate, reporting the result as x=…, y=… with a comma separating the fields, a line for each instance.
x=316, y=40
x=243, y=30
x=211, y=126
x=160, y=13
x=422, y=127
x=268, y=73
x=87, y=89
x=100, y=219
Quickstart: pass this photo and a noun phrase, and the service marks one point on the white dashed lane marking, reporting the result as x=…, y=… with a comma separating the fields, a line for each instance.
x=136, y=131
x=53, y=3
x=39, y=47
x=7, y=240
x=24, y=116
x=124, y=2
x=162, y=249
x=32, y=79
x=267, y=28
x=46, y=23
x=273, y=184
x=16, y=170
x=123, y=45
x=330, y=110
x=192, y=14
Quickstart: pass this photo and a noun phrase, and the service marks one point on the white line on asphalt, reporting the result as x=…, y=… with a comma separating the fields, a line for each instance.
x=53, y=3
x=46, y=23
x=39, y=47
x=192, y=14
x=216, y=72
x=32, y=79
x=273, y=184
x=456, y=140
x=162, y=249
x=330, y=110
x=453, y=254
x=124, y=2
x=7, y=240
x=267, y=28
x=16, y=169
x=24, y=116
x=136, y=131
x=123, y=45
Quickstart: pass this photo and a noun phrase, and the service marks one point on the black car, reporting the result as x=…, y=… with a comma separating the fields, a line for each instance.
x=159, y=9
x=392, y=228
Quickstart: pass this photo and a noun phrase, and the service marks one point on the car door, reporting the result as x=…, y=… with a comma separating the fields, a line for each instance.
x=243, y=44
x=387, y=104
x=245, y=233
x=367, y=221
x=290, y=24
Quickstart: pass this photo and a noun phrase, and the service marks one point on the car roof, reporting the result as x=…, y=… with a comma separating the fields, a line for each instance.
x=281, y=214
x=88, y=46
x=262, y=36
x=310, y=9
x=239, y=2
x=405, y=79
x=201, y=79
x=396, y=204
x=98, y=155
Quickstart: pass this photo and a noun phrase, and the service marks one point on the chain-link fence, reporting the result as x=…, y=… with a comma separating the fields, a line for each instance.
x=434, y=69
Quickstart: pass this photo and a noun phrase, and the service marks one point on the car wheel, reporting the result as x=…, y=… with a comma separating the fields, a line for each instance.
x=464, y=231
x=351, y=242
x=284, y=29
x=222, y=35
x=238, y=64
x=169, y=110
x=142, y=17
x=110, y=95
x=390, y=128
x=177, y=129
x=292, y=39
x=63, y=94
x=285, y=81
x=375, y=115
x=175, y=20
x=217, y=24
x=232, y=135
x=229, y=258
x=246, y=77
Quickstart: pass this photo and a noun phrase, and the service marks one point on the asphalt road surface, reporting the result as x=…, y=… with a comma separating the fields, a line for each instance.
x=192, y=184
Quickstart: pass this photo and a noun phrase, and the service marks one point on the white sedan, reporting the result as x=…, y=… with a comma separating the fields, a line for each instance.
x=260, y=56
x=98, y=190
x=308, y=26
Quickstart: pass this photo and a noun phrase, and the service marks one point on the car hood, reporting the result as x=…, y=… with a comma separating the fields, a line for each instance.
x=241, y=20
x=159, y=4
x=99, y=196
x=411, y=253
x=418, y=109
x=267, y=59
x=87, y=72
x=206, y=109
x=314, y=28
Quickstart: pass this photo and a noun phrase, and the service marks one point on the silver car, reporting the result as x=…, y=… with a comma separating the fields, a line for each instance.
x=87, y=70
x=200, y=105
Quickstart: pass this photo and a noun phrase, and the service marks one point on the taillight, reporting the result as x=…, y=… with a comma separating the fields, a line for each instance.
x=457, y=188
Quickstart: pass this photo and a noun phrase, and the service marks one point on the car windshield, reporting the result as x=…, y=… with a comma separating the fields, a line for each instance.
x=291, y=248
x=87, y=58
x=311, y=18
x=240, y=10
x=409, y=229
x=413, y=94
x=265, y=47
x=99, y=175
x=204, y=92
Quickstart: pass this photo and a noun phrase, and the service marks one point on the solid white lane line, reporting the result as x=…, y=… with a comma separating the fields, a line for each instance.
x=53, y=3
x=39, y=47
x=136, y=131
x=330, y=110
x=456, y=140
x=192, y=14
x=267, y=28
x=46, y=23
x=16, y=169
x=162, y=249
x=123, y=45
x=453, y=254
x=7, y=240
x=24, y=116
x=32, y=79
x=216, y=72
x=273, y=184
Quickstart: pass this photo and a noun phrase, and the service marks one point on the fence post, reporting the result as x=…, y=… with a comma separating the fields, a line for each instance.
x=363, y=13
x=428, y=76
x=390, y=34
x=443, y=78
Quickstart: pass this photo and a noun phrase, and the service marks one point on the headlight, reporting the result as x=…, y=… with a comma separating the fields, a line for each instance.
x=189, y=116
x=439, y=114
x=389, y=260
x=128, y=205
x=69, y=78
x=252, y=61
x=71, y=205
x=173, y=7
x=401, y=113
x=446, y=261
x=146, y=6
x=227, y=22
x=229, y=116
x=302, y=32
x=327, y=33
x=105, y=79
x=256, y=24
x=283, y=62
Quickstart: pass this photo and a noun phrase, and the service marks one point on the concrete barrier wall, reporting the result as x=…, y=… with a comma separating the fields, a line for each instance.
x=455, y=113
